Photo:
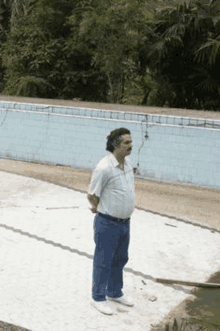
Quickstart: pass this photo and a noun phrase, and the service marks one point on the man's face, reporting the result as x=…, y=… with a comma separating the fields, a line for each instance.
x=125, y=147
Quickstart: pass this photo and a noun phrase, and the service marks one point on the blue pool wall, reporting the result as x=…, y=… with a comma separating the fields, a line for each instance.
x=165, y=148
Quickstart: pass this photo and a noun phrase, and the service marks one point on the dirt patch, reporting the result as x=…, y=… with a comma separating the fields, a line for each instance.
x=201, y=312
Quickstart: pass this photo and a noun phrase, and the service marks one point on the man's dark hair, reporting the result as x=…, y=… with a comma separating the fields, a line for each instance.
x=115, y=138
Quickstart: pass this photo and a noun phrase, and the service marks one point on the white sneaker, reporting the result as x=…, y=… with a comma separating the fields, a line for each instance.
x=102, y=306
x=123, y=300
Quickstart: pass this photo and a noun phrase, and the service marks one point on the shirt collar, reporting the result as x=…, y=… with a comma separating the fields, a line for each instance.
x=115, y=161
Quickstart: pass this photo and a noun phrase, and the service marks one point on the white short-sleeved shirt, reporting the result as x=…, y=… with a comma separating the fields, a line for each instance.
x=114, y=187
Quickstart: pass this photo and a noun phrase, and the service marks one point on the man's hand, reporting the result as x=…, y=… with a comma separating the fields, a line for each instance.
x=93, y=210
x=94, y=201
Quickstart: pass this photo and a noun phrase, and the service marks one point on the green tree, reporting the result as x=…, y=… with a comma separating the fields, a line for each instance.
x=38, y=59
x=181, y=55
x=110, y=31
x=5, y=15
x=25, y=51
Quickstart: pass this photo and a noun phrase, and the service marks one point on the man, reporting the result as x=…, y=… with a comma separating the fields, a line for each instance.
x=111, y=194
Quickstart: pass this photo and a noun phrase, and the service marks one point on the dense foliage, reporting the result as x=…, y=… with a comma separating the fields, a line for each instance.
x=161, y=53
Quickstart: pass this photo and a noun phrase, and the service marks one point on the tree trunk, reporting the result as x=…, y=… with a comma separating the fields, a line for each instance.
x=145, y=98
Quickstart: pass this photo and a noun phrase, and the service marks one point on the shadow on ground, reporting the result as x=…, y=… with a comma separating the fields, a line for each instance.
x=10, y=327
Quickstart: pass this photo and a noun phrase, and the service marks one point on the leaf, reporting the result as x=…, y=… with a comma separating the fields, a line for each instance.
x=158, y=48
x=209, y=50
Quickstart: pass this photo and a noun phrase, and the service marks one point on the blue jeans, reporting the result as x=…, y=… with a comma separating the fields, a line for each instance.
x=111, y=255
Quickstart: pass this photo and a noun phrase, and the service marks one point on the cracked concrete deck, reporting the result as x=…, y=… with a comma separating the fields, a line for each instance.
x=46, y=255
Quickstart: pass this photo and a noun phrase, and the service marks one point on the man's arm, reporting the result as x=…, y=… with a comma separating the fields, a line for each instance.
x=94, y=201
